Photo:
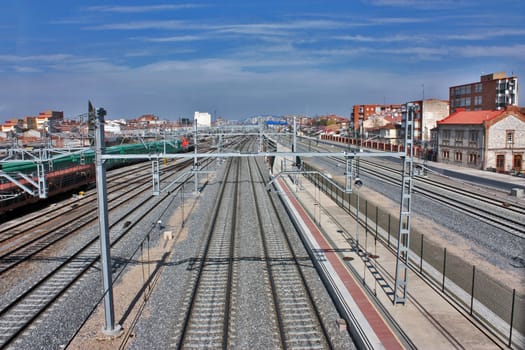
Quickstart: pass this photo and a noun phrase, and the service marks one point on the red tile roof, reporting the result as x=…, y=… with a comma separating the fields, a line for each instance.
x=461, y=116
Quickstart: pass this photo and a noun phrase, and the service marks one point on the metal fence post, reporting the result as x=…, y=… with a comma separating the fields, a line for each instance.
x=444, y=269
x=377, y=221
x=366, y=226
x=512, y=316
x=149, y=260
x=421, y=255
x=472, y=289
x=366, y=216
x=389, y=218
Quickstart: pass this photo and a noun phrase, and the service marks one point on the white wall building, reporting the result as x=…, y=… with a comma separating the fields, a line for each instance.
x=483, y=139
x=202, y=119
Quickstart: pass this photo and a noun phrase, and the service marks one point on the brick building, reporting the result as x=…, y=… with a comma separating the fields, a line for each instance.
x=49, y=119
x=361, y=113
x=487, y=139
x=493, y=92
x=371, y=118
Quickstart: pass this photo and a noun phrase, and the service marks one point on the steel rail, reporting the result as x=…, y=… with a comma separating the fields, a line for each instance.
x=18, y=316
x=316, y=321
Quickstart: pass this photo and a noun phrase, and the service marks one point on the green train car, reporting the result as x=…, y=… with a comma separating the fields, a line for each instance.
x=69, y=172
x=88, y=156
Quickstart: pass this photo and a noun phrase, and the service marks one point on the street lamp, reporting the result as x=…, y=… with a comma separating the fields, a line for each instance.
x=357, y=184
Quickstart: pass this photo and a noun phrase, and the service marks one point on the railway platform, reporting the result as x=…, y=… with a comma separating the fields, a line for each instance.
x=503, y=181
x=364, y=282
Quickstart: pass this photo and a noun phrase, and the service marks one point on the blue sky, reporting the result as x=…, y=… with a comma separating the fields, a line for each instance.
x=242, y=58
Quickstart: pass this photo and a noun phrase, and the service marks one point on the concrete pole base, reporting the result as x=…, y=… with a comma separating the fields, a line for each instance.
x=115, y=332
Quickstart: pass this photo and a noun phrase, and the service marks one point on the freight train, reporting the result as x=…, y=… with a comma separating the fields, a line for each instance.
x=69, y=172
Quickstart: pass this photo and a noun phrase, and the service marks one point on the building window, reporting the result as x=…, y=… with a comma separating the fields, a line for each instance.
x=500, y=161
x=472, y=158
x=477, y=100
x=459, y=135
x=458, y=156
x=473, y=136
x=478, y=87
x=446, y=155
x=446, y=134
x=509, y=139
x=517, y=162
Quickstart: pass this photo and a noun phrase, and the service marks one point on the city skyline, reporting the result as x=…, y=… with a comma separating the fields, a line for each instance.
x=237, y=59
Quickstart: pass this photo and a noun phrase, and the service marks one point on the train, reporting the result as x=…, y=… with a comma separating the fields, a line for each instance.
x=70, y=172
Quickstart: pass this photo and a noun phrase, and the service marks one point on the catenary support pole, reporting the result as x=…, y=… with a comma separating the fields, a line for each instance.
x=195, y=160
x=109, y=328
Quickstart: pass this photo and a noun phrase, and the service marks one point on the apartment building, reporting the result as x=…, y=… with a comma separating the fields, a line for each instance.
x=371, y=118
x=430, y=111
x=361, y=113
x=202, y=119
x=493, y=92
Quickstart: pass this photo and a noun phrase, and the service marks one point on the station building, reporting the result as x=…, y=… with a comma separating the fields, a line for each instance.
x=486, y=139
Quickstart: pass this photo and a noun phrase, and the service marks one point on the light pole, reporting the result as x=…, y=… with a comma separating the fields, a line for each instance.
x=357, y=184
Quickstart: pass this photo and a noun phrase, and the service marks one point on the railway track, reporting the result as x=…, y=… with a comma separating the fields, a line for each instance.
x=206, y=323
x=213, y=317
x=35, y=239
x=30, y=221
x=20, y=312
x=118, y=180
x=483, y=194
x=300, y=323
x=481, y=204
x=481, y=207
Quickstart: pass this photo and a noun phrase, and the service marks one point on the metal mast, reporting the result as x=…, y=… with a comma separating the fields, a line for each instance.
x=405, y=208
x=110, y=328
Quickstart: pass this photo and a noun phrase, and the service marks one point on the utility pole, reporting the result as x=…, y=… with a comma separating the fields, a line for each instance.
x=195, y=161
x=109, y=328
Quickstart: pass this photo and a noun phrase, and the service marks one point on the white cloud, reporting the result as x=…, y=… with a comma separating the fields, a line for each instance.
x=421, y=4
x=487, y=33
x=140, y=25
x=516, y=51
x=274, y=28
x=140, y=9
x=385, y=39
x=172, y=39
x=35, y=58
x=26, y=69
x=177, y=88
